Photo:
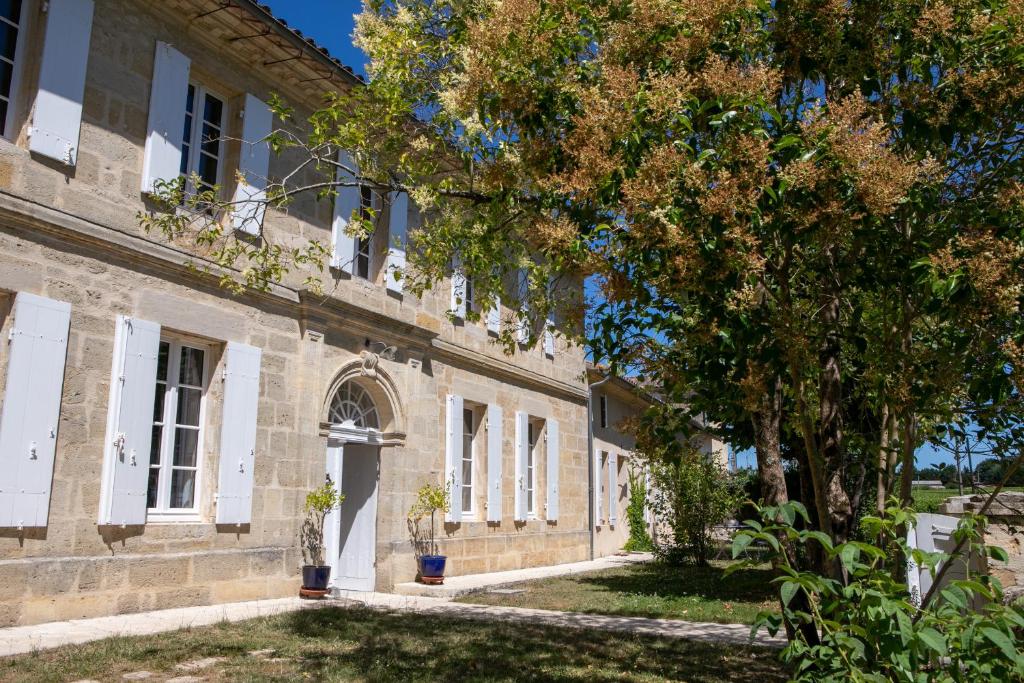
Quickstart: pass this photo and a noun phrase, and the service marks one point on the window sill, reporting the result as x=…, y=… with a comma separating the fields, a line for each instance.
x=173, y=517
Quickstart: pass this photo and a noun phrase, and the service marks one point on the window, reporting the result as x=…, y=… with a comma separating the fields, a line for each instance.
x=352, y=406
x=177, y=427
x=201, y=144
x=10, y=27
x=366, y=211
x=531, y=469
x=468, y=294
x=601, y=492
x=604, y=411
x=468, y=429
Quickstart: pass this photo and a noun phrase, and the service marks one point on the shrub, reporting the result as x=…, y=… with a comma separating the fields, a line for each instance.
x=430, y=499
x=319, y=502
x=693, y=494
x=868, y=627
x=639, y=539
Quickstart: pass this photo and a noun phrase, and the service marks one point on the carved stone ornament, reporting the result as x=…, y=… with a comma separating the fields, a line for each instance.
x=370, y=361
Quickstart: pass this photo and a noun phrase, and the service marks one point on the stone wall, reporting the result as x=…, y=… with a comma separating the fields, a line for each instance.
x=1005, y=530
x=622, y=403
x=75, y=237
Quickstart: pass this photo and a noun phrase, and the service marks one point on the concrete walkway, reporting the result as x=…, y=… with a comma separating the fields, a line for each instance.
x=454, y=586
x=21, y=639
x=24, y=639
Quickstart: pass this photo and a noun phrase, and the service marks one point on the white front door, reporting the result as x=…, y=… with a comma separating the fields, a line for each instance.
x=351, y=531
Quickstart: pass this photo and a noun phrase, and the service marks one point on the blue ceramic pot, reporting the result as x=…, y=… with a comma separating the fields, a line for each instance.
x=432, y=566
x=315, y=578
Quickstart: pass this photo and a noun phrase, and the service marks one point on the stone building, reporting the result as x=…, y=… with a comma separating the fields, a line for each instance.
x=615, y=467
x=158, y=433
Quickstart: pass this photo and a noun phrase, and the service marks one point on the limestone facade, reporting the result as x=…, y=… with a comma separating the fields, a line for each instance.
x=72, y=234
x=615, y=467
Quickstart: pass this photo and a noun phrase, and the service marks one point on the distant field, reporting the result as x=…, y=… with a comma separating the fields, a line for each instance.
x=928, y=500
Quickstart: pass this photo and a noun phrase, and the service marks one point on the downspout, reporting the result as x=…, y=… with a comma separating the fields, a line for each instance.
x=590, y=458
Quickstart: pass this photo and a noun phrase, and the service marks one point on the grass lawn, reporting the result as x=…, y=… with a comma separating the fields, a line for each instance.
x=929, y=500
x=358, y=644
x=650, y=590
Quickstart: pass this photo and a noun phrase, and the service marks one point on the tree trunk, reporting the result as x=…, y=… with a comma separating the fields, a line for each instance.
x=908, y=439
x=882, y=492
x=830, y=423
x=767, y=421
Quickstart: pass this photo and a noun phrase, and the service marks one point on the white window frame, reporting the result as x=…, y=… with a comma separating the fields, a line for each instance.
x=364, y=246
x=17, y=66
x=468, y=295
x=164, y=514
x=469, y=429
x=602, y=488
x=195, y=143
x=533, y=439
x=603, y=411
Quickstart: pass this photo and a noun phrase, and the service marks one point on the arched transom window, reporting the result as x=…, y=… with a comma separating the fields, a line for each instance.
x=353, y=407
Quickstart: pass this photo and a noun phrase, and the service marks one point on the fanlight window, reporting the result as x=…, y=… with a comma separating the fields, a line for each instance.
x=353, y=407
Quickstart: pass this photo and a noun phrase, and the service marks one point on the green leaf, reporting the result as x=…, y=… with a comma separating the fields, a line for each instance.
x=787, y=141
x=1002, y=641
x=849, y=554
x=955, y=596
x=800, y=509
x=905, y=626
x=740, y=543
x=821, y=538
x=789, y=589
x=933, y=640
x=997, y=553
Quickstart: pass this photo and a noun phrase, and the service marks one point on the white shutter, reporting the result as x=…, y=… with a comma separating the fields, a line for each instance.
x=453, y=457
x=598, y=513
x=57, y=115
x=162, y=157
x=458, y=300
x=129, y=422
x=613, y=489
x=648, y=492
x=522, y=446
x=238, y=433
x=549, y=323
x=398, y=223
x=554, y=447
x=494, y=317
x=254, y=166
x=347, y=202
x=523, y=286
x=494, y=446
x=31, y=409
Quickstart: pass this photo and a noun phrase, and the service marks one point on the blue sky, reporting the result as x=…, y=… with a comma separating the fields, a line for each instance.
x=926, y=455
x=330, y=23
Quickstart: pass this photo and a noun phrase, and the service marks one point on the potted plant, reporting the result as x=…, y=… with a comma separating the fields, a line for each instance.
x=315, y=574
x=430, y=500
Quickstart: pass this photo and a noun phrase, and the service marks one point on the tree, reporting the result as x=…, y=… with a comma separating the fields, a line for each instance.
x=805, y=219
x=693, y=495
x=993, y=471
